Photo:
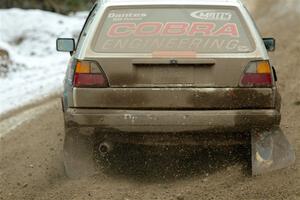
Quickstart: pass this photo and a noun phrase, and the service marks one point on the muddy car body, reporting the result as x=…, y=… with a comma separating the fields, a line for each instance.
x=167, y=73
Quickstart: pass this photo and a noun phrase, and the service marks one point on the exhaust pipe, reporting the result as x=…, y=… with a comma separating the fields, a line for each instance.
x=105, y=148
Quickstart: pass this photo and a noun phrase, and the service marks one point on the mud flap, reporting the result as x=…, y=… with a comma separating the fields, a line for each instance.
x=78, y=154
x=270, y=151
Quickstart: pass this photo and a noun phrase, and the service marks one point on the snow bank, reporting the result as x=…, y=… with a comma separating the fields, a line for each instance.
x=37, y=70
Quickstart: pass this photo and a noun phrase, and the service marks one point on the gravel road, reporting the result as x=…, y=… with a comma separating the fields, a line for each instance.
x=31, y=164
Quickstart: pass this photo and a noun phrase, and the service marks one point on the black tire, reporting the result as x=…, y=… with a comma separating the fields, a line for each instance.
x=78, y=154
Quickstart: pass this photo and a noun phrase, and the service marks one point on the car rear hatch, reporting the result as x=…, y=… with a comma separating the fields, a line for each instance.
x=173, y=72
x=173, y=58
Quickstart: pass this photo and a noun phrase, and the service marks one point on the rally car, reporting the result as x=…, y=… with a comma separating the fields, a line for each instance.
x=171, y=73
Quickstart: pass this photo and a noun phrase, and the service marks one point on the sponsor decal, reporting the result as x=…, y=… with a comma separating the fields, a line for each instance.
x=126, y=16
x=148, y=29
x=175, y=36
x=212, y=15
x=174, y=44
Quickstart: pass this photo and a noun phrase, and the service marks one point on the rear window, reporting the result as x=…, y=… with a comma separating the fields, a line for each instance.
x=173, y=29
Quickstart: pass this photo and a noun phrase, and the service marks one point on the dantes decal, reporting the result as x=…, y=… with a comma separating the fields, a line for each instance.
x=172, y=29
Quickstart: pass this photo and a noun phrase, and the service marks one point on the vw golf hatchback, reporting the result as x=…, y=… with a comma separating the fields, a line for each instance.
x=171, y=73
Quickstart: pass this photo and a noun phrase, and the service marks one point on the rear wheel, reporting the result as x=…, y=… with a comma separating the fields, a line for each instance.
x=78, y=154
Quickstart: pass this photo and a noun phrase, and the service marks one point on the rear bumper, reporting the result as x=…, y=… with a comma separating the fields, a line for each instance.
x=174, y=98
x=150, y=121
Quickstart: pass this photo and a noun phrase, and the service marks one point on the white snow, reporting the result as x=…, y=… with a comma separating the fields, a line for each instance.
x=37, y=70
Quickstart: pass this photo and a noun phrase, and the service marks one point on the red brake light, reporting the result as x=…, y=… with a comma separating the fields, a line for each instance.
x=88, y=74
x=257, y=74
x=89, y=80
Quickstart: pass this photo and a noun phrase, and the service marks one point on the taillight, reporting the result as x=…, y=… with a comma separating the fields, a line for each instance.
x=88, y=74
x=257, y=74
